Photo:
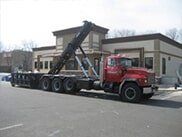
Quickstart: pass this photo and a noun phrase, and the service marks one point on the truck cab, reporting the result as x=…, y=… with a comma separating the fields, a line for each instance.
x=131, y=83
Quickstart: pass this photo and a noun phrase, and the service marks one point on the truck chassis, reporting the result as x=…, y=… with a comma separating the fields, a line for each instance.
x=129, y=90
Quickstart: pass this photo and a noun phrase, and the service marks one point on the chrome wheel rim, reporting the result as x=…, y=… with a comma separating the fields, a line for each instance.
x=130, y=93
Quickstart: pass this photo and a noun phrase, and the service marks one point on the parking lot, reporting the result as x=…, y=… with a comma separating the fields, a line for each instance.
x=35, y=113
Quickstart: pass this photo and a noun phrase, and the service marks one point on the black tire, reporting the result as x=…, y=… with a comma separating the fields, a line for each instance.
x=57, y=85
x=131, y=93
x=12, y=84
x=147, y=96
x=46, y=84
x=175, y=86
x=69, y=85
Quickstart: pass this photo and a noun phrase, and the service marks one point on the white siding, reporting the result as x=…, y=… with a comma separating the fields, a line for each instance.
x=165, y=47
x=171, y=65
x=86, y=39
x=59, y=49
x=148, y=45
x=149, y=55
x=84, y=45
x=132, y=54
x=44, y=53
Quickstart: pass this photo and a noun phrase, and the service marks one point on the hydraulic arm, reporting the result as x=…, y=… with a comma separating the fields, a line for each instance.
x=71, y=48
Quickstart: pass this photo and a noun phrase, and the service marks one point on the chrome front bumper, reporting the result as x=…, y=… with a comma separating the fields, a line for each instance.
x=151, y=89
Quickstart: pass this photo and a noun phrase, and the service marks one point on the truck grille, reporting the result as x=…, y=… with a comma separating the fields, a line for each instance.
x=151, y=79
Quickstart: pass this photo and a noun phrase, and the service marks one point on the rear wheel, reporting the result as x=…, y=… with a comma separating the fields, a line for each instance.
x=131, y=92
x=57, y=85
x=46, y=84
x=69, y=85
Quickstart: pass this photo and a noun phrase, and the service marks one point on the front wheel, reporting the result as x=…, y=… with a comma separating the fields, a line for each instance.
x=131, y=93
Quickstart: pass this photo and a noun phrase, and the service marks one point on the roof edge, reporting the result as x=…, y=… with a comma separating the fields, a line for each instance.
x=76, y=29
x=44, y=48
x=142, y=38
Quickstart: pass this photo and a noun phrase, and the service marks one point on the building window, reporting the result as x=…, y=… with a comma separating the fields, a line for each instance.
x=163, y=66
x=50, y=65
x=111, y=62
x=71, y=65
x=46, y=64
x=135, y=62
x=35, y=64
x=149, y=62
x=41, y=65
x=59, y=47
x=96, y=38
x=95, y=41
x=60, y=41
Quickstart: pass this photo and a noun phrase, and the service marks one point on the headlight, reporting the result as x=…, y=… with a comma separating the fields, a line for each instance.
x=145, y=81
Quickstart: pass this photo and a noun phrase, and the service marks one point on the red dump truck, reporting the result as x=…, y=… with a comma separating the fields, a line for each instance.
x=116, y=74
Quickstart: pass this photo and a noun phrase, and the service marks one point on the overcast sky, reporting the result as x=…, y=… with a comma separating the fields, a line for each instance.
x=37, y=19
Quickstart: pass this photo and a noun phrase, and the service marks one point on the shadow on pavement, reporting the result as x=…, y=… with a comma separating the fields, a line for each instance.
x=97, y=95
x=162, y=103
x=114, y=97
x=150, y=102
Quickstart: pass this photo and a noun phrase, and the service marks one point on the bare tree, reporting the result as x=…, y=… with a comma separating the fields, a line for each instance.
x=121, y=33
x=180, y=35
x=148, y=32
x=28, y=45
x=173, y=34
x=6, y=54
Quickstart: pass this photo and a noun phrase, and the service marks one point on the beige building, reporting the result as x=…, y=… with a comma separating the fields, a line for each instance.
x=45, y=56
x=153, y=51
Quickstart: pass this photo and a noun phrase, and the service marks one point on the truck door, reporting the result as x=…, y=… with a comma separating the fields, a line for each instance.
x=112, y=70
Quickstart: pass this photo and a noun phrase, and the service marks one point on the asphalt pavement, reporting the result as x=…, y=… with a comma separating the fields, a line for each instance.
x=34, y=113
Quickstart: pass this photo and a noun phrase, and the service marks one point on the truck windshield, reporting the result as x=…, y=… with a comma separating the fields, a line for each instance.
x=126, y=62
